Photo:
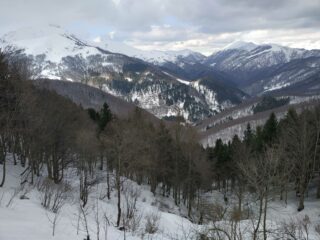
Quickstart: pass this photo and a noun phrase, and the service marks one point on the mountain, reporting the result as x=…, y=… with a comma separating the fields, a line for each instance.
x=59, y=55
x=257, y=69
x=170, y=83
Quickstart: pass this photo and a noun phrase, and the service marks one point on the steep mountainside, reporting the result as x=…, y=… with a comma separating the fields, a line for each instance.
x=261, y=68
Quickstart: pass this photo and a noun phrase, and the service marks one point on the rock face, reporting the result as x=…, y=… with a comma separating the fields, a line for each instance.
x=58, y=55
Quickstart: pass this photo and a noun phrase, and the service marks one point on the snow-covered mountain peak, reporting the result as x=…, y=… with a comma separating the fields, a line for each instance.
x=241, y=45
x=27, y=33
x=160, y=57
x=52, y=41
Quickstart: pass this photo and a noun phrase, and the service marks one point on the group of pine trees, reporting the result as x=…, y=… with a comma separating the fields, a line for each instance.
x=272, y=160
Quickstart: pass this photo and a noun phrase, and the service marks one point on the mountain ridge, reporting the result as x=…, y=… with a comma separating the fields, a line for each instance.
x=63, y=56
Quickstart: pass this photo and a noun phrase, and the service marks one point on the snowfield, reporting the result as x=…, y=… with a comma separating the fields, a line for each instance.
x=23, y=217
x=27, y=219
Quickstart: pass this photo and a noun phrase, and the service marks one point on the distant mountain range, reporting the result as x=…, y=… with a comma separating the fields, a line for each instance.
x=171, y=83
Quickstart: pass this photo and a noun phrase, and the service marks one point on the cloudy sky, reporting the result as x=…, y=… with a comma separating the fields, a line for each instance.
x=201, y=25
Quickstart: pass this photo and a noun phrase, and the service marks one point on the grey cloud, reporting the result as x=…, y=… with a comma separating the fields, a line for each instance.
x=135, y=20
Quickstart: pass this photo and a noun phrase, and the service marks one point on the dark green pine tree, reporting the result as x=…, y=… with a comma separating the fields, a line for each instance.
x=248, y=135
x=101, y=118
x=292, y=116
x=270, y=130
x=258, y=140
x=222, y=155
x=235, y=140
x=93, y=114
x=164, y=169
x=105, y=116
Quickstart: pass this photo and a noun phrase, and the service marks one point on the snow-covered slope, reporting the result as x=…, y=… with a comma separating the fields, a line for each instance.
x=23, y=216
x=240, y=45
x=249, y=56
x=267, y=67
x=161, y=57
x=52, y=41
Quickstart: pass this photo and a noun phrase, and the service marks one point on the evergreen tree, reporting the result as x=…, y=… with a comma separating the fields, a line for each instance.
x=93, y=114
x=258, y=140
x=105, y=116
x=101, y=118
x=270, y=130
x=248, y=135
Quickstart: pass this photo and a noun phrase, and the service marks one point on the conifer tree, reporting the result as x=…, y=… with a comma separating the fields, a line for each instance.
x=270, y=130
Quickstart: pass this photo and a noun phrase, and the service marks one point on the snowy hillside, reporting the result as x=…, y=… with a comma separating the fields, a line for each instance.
x=267, y=67
x=23, y=216
x=52, y=41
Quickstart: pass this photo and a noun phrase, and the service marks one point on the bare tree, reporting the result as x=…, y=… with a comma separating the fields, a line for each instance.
x=262, y=176
x=53, y=219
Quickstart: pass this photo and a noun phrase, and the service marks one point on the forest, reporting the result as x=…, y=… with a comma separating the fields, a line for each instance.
x=48, y=134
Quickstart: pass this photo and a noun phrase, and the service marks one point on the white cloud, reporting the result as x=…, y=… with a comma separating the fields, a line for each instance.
x=97, y=39
x=112, y=34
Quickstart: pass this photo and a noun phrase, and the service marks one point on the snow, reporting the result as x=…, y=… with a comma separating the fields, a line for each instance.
x=183, y=81
x=129, y=79
x=27, y=219
x=148, y=98
x=160, y=57
x=247, y=46
x=46, y=73
x=178, y=79
x=210, y=96
x=276, y=86
x=52, y=41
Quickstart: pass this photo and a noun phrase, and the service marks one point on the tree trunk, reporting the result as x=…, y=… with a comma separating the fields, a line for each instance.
x=240, y=200
x=256, y=229
x=265, y=215
x=119, y=193
x=301, y=197
x=318, y=189
x=108, y=184
x=101, y=162
x=301, y=202
x=3, y=172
